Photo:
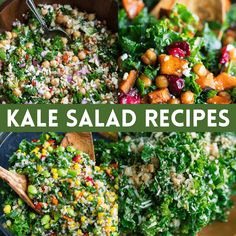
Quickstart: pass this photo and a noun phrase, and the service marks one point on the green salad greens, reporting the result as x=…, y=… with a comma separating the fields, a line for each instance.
x=174, y=183
x=37, y=69
x=177, y=59
x=75, y=196
x=144, y=184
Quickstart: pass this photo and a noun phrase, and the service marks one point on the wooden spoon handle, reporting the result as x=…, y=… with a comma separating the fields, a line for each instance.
x=4, y=174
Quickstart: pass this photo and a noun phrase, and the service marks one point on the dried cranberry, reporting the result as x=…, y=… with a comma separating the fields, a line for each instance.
x=176, y=84
x=132, y=97
x=176, y=52
x=225, y=56
x=76, y=158
x=183, y=49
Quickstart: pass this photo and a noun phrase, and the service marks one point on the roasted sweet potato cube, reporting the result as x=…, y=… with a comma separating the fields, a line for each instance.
x=171, y=65
x=206, y=81
x=225, y=81
x=128, y=83
x=133, y=7
x=219, y=100
x=159, y=96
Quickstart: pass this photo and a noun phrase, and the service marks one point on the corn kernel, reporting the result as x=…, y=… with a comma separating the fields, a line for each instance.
x=90, y=198
x=72, y=224
x=46, y=145
x=76, y=166
x=77, y=193
x=100, y=200
x=83, y=219
x=7, y=209
x=100, y=215
x=44, y=152
x=97, y=168
x=54, y=171
x=89, y=184
x=47, y=136
x=80, y=233
x=77, y=182
x=100, y=222
x=36, y=150
x=55, y=176
x=107, y=228
x=116, y=186
x=39, y=169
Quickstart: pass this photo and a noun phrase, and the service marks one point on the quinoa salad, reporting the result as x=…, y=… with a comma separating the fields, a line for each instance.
x=174, y=184
x=75, y=196
x=34, y=69
x=176, y=59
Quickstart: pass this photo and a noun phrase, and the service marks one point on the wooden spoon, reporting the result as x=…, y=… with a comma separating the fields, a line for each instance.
x=82, y=141
x=19, y=184
x=205, y=10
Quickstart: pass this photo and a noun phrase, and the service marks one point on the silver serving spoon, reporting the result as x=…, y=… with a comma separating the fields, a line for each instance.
x=49, y=33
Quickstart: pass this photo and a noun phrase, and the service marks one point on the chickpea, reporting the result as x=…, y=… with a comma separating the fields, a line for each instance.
x=47, y=95
x=149, y=57
x=5, y=42
x=69, y=31
x=64, y=40
x=200, y=70
x=225, y=95
x=187, y=97
x=82, y=91
x=75, y=12
x=14, y=34
x=9, y=35
x=60, y=19
x=53, y=63
x=55, y=82
x=91, y=17
x=76, y=34
x=44, y=12
x=162, y=81
x=66, y=19
x=29, y=45
x=81, y=14
x=82, y=55
x=78, y=80
x=46, y=64
x=17, y=92
x=32, y=26
x=146, y=80
x=69, y=25
x=174, y=101
x=75, y=58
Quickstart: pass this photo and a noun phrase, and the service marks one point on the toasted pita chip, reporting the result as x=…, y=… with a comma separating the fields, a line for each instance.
x=205, y=9
x=82, y=141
